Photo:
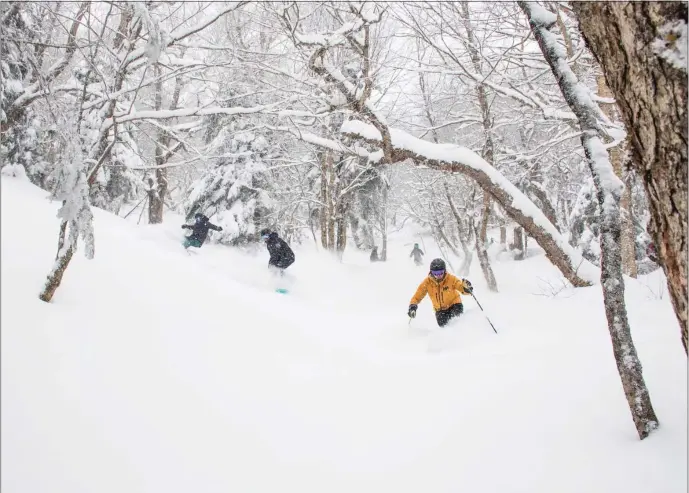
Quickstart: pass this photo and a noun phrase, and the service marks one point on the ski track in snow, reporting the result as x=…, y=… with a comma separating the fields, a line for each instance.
x=154, y=370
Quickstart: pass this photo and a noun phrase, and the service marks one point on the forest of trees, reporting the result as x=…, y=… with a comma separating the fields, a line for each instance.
x=562, y=124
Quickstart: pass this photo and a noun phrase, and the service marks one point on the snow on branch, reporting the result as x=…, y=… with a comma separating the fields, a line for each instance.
x=185, y=112
x=373, y=157
x=342, y=35
x=454, y=158
x=176, y=36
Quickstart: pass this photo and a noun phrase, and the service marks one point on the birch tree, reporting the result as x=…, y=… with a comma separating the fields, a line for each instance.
x=608, y=190
x=641, y=48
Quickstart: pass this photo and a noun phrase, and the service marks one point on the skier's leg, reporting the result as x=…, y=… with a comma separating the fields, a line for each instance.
x=455, y=310
x=442, y=317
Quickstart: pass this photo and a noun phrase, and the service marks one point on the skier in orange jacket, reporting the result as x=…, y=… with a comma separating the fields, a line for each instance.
x=444, y=291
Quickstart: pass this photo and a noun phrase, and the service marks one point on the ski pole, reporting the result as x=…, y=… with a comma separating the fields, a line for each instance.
x=484, y=313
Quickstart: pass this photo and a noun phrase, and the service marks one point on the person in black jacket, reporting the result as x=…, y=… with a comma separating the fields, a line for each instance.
x=199, y=231
x=374, y=255
x=281, y=255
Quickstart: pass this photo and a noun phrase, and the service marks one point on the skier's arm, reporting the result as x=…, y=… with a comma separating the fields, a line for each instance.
x=463, y=286
x=421, y=291
x=187, y=226
x=214, y=227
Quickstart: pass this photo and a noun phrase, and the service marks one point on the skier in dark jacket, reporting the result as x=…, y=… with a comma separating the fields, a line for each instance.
x=374, y=255
x=281, y=255
x=199, y=231
x=417, y=253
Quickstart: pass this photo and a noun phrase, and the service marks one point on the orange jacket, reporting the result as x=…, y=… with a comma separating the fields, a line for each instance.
x=443, y=293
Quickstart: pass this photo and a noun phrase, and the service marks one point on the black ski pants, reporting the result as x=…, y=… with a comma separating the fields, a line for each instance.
x=444, y=316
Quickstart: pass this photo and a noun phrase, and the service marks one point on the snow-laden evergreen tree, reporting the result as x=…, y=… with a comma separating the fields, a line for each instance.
x=234, y=190
x=20, y=136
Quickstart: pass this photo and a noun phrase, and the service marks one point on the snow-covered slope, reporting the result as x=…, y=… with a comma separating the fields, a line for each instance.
x=158, y=371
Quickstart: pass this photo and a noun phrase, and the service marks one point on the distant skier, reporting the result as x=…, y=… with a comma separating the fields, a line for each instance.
x=444, y=291
x=374, y=254
x=417, y=254
x=281, y=255
x=199, y=231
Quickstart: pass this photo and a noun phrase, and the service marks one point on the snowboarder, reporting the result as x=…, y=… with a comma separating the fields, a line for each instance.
x=374, y=254
x=417, y=254
x=281, y=255
x=199, y=231
x=444, y=291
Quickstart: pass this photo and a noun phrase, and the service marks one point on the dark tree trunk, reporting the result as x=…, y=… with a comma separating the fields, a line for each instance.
x=62, y=260
x=651, y=94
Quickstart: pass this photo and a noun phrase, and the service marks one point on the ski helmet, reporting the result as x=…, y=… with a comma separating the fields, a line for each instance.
x=416, y=245
x=437, y=264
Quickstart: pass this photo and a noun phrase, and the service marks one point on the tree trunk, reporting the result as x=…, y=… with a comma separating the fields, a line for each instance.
x=463, y=239
x=546, y=205
x=482, y=96
x=159, y=185
x=518, y=243
x=608, y=191
x=503, y=235
x=482, y=255
x=341, y=226
x=384, y=222
x=651, y=94
x=628, y=237
x=331, y=201
x=62, y=260
x=323, y=216
x=485, y=217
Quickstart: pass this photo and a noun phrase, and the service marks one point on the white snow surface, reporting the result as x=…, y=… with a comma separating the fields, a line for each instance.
x=157, y=371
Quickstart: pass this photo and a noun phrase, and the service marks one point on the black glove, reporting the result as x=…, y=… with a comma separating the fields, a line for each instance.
x=467, y=286
x=219, y=228
x=412, y=311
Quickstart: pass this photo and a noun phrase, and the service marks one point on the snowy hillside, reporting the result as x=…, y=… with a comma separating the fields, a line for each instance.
x=157, y=371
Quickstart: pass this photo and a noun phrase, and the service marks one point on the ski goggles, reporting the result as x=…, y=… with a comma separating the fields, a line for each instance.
x=265, y=237
x=438, y=273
